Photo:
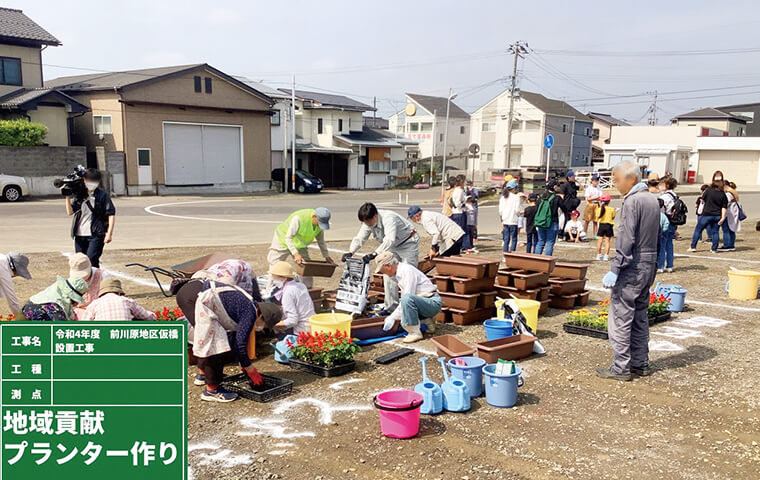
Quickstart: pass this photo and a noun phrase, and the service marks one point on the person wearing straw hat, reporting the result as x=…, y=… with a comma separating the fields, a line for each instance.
x=419, y=302
x=293, y=237
x=297, y=304
x=56, y=302
x=113, y=305
x=80, y=266
x=446, y=235
x=13, y=264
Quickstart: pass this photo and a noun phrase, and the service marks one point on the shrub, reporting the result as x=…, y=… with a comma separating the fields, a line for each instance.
x=22, y=133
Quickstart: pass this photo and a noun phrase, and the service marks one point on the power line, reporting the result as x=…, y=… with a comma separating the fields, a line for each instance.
x=650, y=53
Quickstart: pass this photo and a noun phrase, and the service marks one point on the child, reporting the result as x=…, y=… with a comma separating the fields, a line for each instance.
x=113, y=305
x=473, y=194
x=509, y=210
x=471, y=232
x=574, y=228
x=56, y=302
x=605, y=215
x=531, y=233
x=701, y=206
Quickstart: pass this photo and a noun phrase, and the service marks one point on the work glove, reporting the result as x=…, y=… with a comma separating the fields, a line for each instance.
x=389, y=322
x=346, y=256
x=368, y=257
x=609, y=280
x=254, y=376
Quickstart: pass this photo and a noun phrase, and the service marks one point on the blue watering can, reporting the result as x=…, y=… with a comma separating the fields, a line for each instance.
x=281, y=349
x=431, y=393
x=456, y=395
x=676, y=293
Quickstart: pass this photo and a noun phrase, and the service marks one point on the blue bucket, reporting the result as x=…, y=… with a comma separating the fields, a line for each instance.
x=496, y=329
x=677, y=296
x=471, y=373
x=501, y=390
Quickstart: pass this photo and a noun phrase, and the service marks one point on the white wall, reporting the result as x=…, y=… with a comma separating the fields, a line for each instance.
x=308, y=121
x=655, y=135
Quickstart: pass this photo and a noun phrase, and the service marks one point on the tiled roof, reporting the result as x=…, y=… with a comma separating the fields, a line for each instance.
x=14, y=25
x=438, y=105
x=552, y=107
x=109, y=80
x=26, y=97
x=331, y=100
x=710, y=113
x=609, y=119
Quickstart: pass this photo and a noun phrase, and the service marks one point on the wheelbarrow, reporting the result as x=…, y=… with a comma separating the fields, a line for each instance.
x=182, y=270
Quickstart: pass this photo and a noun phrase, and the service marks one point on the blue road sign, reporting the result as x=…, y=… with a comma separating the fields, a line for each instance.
x=549, y=140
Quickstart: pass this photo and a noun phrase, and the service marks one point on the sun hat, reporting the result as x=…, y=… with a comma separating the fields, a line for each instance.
x=110, y=285
x=382, y=260
x=20, y=264
x=79, y=265
x=323, y=217
x=653, y=176
x=513, y=184
x=413, y=210
x=282, y=269
x=78, y=288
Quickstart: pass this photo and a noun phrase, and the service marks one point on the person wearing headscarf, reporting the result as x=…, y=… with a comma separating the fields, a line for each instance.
x=56, y=302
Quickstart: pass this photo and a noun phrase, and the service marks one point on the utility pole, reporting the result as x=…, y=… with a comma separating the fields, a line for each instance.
x=518, y=48
x=451, y=97
x=374, y=112
x=293, y=133
x=284, y=115
x=653, y=117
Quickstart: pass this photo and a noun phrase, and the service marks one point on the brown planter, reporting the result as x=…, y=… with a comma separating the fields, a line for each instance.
x=315, y=293
x=460, y=302
x=455, y=267
x=425, y=265
x=504, y=277
x=371, y=327
x=460, y=317
x=377, y=281
x=450, y=346
x=505, y=292
x=507, y=348
x=530, y=261
x=561, y=286
x=543, y=294
x=492, y=266
x=486, y=299
x=544, y=307
x=316, y=269
x=576, y=271
x=523, y=280
x=563, y=302
x=443, y=283
x=444, y=316
x=582, y=299
x=463, y=285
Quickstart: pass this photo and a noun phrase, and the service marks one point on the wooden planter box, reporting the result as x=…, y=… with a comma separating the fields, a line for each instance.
x=316, y=269
x=563, y=302
x=530, y=261
x=443, y=283
x=507, y=348
x=575, y=271
x=315, y=293
x=425, y=266
x=460, y=317
x=582, y=299
x=463, y=285
x=454, y=266
x=450, y=346
x=587, y=331
x=523, y=280
x=486, y=299
x=372, y=327
x=459, y=302
x=561, y=286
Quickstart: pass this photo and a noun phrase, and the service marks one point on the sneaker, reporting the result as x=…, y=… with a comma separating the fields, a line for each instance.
x=726, y=249
x=707, y=241
x=200, y=379
x=642, y=371
x=608, y=374
x=691, y=249
x=606, y=258
x=669, y=270
x=714, y=251
x=474, y=251
x=219, y=395
x=599, y=256
x=659, y=270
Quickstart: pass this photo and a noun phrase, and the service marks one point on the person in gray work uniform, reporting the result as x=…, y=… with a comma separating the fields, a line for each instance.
x=631, y=274
x=395, y=234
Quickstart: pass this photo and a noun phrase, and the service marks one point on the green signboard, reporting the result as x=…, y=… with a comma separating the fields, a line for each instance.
x=93, y=400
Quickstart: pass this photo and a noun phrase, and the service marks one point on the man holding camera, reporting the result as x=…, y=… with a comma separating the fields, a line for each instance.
x=94, y=217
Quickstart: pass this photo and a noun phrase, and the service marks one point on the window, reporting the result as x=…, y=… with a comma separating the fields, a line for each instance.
x=143, y=157
x=426, y=127
x=516, y=125
x=397, y=164
x=414, y=127
x=275, y=118
x=532, y=124
x=587, y=131
x=101, y=124
x=441, y=137
x=595, y=134
x=461, y=130
x=488, y=127
x=379, y=166
x=319, y=125
x=197, y=81
x=565, y=127
x=10, y=71
x=340, y=124
x=207, y=80
x=487, y=157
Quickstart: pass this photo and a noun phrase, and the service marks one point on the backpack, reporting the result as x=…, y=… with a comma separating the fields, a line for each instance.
x=543, y=218
x=678, y=213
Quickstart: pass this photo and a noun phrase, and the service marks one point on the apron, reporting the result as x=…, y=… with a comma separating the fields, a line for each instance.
x=212, y=322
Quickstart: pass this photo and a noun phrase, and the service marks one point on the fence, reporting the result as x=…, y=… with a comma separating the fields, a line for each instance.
x=41, y=165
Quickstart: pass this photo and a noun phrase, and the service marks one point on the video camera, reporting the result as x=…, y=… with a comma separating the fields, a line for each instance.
x=72, y=185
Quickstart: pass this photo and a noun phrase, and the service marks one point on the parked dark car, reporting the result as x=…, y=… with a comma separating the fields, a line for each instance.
x=305, y=181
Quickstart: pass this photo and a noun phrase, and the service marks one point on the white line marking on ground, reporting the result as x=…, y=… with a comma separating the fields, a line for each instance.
x=226, y=458
x=693, y=302
x=676, y=332
x=336, y=250
x=664, y=346
x=699, y=322
x=149, y=209
x=272, y=427
x=716, y=257
x=125, y=276
x=339, y=385
x=203, y=446
x=326, y=410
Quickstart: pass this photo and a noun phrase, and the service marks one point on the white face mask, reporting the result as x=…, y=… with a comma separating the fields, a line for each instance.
x=91, y=186
x=278, y=283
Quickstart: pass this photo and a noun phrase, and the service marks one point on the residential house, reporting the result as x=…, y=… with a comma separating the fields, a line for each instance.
x=376, y=122
x=737, y=157
x=748, y=111
x=733, y=125
x=182, y=129
x=319, y=119
x=280, y=116
x=601, y=133
x=21, y=86
x=424, y=120
x=534, y=117
x=380, y=155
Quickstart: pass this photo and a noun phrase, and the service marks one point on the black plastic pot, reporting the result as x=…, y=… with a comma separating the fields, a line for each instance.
x=334, y=371
x=587, y=331
x=660, y=318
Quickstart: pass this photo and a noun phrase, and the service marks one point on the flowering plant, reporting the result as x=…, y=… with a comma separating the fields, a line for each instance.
x=9, y=318
x=658, y=304
x=326, y=349
x=595, y=317
x=169, y=315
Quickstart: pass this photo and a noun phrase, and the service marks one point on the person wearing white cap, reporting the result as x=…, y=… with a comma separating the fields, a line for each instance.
x=297, y=304
x=13, y=264
x=419, y=302
x=446, y=235
x=293, y=237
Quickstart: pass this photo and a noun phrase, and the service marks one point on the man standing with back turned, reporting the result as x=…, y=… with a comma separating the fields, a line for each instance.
x=631, y=274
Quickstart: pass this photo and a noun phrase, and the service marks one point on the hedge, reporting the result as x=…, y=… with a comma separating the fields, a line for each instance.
x=22, y=133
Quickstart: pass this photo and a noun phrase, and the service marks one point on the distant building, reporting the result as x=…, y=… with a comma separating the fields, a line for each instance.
x=376, y=122
x=601, y=133
x=748, y=111
x=734, y=125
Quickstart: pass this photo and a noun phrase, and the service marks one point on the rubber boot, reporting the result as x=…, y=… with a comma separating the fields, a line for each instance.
x=414, y=334
x=430, y=322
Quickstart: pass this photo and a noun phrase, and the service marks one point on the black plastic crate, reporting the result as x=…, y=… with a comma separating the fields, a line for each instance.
x=334, y=371
x=659, y=318
x=587, y=331
x=272, y=388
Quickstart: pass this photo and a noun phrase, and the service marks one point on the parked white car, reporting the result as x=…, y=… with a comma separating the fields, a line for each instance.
x=13, y=188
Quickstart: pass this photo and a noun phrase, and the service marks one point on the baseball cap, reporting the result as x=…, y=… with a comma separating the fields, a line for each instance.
x=605, y=197
x=576, y=213
x=413, y=210
x=512, y=184
x=20, y=263
x=323, y=217
x=569, y=174
x=382, y=260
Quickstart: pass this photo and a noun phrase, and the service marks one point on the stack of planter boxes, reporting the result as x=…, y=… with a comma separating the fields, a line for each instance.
x=568, y=286
x=526, y=276
x=466, y=286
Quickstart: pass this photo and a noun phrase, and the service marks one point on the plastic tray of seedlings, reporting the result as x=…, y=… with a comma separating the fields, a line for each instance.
x=271, y=389
x=587, y=331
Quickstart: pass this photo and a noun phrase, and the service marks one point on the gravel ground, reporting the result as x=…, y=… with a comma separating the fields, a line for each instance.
x=696, y=418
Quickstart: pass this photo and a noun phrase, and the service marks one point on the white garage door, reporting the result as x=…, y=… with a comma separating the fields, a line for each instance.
x=197, y=154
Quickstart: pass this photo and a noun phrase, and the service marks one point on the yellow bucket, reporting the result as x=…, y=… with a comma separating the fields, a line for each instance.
x=330, y=323
x=529, y=309
x=742, y=284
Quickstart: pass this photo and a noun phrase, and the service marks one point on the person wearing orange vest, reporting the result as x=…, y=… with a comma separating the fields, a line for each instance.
x=296, y=233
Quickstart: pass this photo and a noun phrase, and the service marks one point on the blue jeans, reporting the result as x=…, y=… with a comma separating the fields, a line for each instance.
x=729, y=236
x=531, y=241
x=546, y=239
x=709, y=223
x=666, y=248
x=509, y=237
x=414, y=307
x=467, y=238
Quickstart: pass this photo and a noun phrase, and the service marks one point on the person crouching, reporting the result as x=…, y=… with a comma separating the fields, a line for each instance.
x=112, y=305
x=419, y=297
x=297, y=304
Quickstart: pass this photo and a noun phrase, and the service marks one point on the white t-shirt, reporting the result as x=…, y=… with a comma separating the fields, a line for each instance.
x=592, y=191
x=84, y=228
x=413, y=282
x=574, y=226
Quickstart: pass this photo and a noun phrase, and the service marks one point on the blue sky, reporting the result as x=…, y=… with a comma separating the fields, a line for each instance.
x=384, y=49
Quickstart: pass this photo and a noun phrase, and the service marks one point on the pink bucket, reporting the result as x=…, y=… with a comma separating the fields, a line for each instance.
x=399, y=413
